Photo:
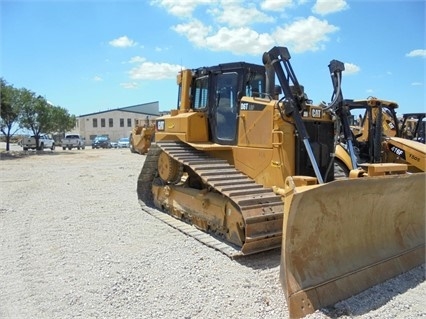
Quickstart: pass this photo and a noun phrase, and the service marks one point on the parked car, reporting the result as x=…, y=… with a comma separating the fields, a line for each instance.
x=114, y=144
x=101, y=142
x=44, y=141
x=73, y=140
x=123, y=142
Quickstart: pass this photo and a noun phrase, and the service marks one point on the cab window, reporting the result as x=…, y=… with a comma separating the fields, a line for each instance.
x=200, y=96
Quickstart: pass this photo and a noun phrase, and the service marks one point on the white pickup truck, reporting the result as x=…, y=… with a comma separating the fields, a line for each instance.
x=71, y=141
x=44, y=142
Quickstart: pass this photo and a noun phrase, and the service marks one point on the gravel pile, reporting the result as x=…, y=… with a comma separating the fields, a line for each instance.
x=74, y=242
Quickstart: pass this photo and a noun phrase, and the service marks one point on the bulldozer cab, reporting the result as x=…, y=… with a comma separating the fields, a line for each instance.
x=378, y=121
x=217, y=91
x=371, y=108
x=413, y=126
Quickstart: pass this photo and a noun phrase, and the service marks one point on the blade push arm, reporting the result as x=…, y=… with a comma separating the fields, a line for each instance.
x=294, y=99
x=336, y=68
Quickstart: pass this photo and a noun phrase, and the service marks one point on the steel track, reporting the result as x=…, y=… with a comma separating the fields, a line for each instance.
x=261, y=208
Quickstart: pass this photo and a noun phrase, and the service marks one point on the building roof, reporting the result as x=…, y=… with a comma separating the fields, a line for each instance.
x=151, y=108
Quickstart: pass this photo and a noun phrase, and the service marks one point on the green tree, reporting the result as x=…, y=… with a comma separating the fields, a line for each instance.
x=34, y=113
x=9, y=111
x=39, y=116
x=62, y=121
x=22, y=108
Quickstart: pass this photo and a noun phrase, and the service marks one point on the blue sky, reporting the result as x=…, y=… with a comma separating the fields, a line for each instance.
x=94, y=55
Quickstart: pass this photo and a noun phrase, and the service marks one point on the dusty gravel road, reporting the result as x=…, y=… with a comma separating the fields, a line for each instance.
x=74, y=242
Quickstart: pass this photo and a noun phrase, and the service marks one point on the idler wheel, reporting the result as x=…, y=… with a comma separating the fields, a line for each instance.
x=169, y=169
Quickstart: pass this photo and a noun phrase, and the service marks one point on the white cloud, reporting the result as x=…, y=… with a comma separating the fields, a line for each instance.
x=161, y=49
x=137, y=59
x=415, y=53
x=237, y=40
x=122, y=42
x=154, y=71
x=302, y=35
x=351, y=69
x=324, y=7
x=181, y=8
x=195, y=31
x=276, y=5
x=305, y=34
x=232, y=14
x=97, y=78
x=231, y=33
x=417, y=84
x=129, y=85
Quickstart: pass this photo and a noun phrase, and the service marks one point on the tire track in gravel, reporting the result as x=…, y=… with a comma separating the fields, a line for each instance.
x=18, y=239
x=41, y=250
x=79, y=245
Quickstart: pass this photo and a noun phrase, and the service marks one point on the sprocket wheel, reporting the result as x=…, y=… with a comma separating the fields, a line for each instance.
x=169, y=169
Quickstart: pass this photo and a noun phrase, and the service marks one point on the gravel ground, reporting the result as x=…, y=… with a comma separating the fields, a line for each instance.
x=74, y=242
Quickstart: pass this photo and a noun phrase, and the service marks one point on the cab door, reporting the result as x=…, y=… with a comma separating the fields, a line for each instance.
x=223, y=117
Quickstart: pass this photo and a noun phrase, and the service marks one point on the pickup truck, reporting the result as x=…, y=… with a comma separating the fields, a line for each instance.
x=73, y=141
x=44, y=142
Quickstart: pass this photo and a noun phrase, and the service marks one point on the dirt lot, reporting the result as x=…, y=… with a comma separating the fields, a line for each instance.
x=74, y=242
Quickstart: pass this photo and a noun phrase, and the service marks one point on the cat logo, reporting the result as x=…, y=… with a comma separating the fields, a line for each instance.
x=316, y=113
x=160, y=125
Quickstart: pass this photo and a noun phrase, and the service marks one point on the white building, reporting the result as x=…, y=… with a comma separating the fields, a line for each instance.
x=115, y=123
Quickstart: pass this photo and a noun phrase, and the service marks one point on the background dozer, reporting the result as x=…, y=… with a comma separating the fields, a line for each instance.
x=141, y=135
x=233, y=151
x=380, y=137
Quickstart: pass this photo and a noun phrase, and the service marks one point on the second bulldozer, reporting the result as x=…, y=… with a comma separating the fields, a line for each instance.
x=141, y=136
x=380, y=137
x=253, y=172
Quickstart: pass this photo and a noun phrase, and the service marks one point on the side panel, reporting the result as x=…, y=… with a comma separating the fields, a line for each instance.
x=411, y=152
x=190, y=127
x=259, y=167
x=255, y=124
x=343, y=237
x=266, y=144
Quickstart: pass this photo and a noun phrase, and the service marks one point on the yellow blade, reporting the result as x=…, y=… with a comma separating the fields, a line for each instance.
x=343, y=237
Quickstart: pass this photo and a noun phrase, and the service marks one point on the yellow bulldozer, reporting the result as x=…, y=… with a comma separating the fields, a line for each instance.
x=141, y=136
x=380, y=137
x=253, y=172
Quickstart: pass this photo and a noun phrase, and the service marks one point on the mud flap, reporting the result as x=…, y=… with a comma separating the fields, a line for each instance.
x=343, y=237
